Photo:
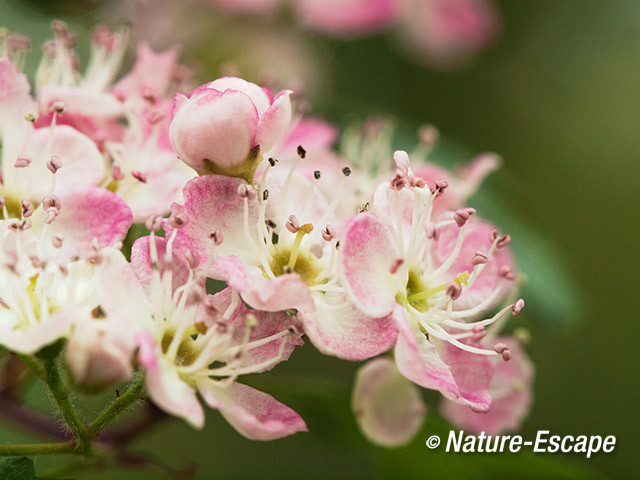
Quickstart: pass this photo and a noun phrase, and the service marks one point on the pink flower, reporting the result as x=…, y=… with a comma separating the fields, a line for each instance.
x=388, y=408
x=348, y=17
x=231, y=228
x=188, y=346
x=224, y=125
x=393, y=262
x=447, y=32
x=511, y=392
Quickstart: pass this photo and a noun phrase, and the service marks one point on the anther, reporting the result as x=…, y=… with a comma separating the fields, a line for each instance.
x=246, y=191
x=52, y=214
x=272, y=161
x=292, y=330
x=251, y=321
x=293, y=224
x=479, y=258
x=154, y=223
x=432, y=231
x=454, y=290
x=35, y=261
x=317, y=174
x=117, y=173
x=302, y=153
x=417, y=182
x=141, y=177
x=503, y=241
x=26, y=208
x=57, y=107
x=479, y=332
x=346, y=171
x=462, y=215
x=398, y=181
x=191, y=259
x=397, y=263
x=51, y=201
x=3, y=202
x=440, y=186
x=328, y=233
x=57, y=240
x=156, y=116
x=270, y=224
x=22, y=162
x=429, y=136
x=364, y=207
x=54, y=164
x=178, y=220
x=216, y=236
x=517, y=307
x=506, y=272
x=265, y=195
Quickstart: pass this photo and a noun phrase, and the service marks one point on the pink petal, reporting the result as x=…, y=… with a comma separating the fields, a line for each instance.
x=212, y=203
x=167, y=390
x=35, y=337
x=280, y=293
x=269, y=323
x=88, y=213
x=368, y=250
x=82, y=162
x=388, y=407
x=80, y=102
x=348, y=17
x=347, y=333
x=258, y=96
x=512, y=391
x=254, y=414
x=312, y=134
x=459, y=375
x=274, y=122
x=151, y=71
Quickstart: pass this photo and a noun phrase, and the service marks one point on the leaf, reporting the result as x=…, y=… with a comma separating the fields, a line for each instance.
x=22, y=468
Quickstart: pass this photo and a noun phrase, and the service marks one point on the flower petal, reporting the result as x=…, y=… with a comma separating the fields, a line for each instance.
x=367, y=254
x=254, y=414
x=274, y=122
x=388, y=407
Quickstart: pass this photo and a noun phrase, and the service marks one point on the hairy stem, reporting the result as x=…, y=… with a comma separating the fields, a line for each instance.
x=124, y=401
x=37, y=449
x=58, y=390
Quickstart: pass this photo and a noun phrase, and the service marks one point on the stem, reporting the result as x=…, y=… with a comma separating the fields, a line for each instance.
x=37, y=449
x=58, y=390
x=124, y=401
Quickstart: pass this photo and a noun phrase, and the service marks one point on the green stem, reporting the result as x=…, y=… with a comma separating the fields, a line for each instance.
x=35, y=365
x=37, y=449
x=59, y=392
x=136, y=392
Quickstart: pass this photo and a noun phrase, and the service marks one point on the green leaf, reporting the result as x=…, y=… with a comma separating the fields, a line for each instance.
x=18, y=469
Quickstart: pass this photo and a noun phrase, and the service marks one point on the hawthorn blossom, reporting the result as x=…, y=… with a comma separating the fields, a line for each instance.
x=511, y=391
x=190, y=343
x=47, y=257
x=275, y=245
x=388, y=267
x=224, y=125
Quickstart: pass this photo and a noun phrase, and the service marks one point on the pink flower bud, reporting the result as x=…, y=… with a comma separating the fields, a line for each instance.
x=223, y=125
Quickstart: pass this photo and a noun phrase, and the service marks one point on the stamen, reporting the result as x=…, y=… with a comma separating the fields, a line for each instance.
x=301, y=232
x=54, y=164
x=22, y=162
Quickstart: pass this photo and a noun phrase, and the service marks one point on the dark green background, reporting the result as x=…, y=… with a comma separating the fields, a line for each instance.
x=558, y=97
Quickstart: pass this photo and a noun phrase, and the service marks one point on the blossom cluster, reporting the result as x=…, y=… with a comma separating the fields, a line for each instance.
x=365, y=255
x=445, y=33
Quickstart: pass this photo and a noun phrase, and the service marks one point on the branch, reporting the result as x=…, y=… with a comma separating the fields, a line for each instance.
x=136, y=392
x=37, y=449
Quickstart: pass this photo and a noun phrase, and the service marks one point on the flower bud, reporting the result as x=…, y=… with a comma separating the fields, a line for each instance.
x=223, y=126
x=99, y=354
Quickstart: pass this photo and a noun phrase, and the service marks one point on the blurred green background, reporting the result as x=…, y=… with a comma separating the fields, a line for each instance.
x=558, y=97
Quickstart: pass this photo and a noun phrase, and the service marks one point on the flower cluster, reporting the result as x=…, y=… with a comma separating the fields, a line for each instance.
x=364, y=256
x=444, y=33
